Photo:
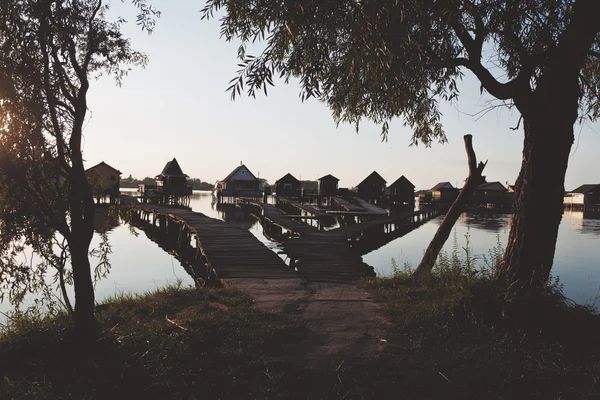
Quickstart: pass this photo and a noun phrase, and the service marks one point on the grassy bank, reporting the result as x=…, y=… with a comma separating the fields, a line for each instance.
x=453, y=336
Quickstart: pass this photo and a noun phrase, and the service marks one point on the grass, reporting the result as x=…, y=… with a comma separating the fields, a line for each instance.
x=464, y=335
x=455, y=335
x=170, y=344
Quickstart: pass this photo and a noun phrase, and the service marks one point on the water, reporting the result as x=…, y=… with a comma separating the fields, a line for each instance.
x=139, y=265
x=575, y=262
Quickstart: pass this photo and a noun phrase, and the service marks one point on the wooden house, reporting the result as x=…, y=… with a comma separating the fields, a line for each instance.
x=104, y=179
x=241, y=182
x=491, y=193
x=402, y=191
x=372, y=188
x=443, y=192
x=288, y=186
x=328, y=185
x=584, y=198
x=172, y=181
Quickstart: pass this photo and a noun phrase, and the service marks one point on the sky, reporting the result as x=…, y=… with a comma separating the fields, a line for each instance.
x=178, y=107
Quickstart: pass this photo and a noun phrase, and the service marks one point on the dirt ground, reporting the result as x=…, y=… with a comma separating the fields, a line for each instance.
x=345, y=323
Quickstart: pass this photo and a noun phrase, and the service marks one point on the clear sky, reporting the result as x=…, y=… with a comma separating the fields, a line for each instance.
x=178, y=107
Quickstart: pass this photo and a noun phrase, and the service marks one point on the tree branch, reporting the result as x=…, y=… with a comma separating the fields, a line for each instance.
x=474, y=179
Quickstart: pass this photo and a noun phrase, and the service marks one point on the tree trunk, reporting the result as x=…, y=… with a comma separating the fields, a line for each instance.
x=549, y=113
x=82, y=230
x=539, y=192
x=473, y=180
x=85, y=322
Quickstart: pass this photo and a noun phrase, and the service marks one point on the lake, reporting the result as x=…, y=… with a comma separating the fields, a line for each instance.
x=139, y=265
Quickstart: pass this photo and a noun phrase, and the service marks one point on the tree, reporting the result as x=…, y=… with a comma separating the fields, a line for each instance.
x=50, y=49
x=380, y=60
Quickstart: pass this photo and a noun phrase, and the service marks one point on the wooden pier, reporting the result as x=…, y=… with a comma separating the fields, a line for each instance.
x=219, y=249
x=214, y=249
x=334, y=255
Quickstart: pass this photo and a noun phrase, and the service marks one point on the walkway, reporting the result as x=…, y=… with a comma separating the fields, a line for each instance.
x=231, y=251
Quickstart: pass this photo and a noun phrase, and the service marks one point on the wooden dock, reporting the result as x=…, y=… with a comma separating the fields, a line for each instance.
x=230, y=251
x=224, y=250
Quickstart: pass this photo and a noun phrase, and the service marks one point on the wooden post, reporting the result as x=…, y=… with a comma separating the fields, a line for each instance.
x=473, y=180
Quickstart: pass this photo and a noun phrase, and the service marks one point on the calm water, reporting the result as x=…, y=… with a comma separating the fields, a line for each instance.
x=139, y=265
x=575, y=262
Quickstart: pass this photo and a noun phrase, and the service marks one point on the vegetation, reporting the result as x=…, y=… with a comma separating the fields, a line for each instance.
x=451, y=336
x=382, y=60
x=50, y=51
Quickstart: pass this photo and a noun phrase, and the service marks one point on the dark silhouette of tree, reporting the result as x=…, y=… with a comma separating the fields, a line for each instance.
x=49, y=51
x=384, y=59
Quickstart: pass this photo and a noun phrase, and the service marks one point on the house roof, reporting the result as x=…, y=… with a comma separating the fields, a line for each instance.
x=102, y=163
x=441, y=185
x=288, y=177
x=492, y=186
x=232, y=173
x=172, y=169
x=585, y=188
x=328, y=176
x=373, y=176
x=402, y=180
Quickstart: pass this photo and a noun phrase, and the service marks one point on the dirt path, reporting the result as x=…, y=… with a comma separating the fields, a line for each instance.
x=344, y=322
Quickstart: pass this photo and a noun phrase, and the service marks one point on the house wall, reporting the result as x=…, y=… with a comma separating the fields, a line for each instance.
x=574, y=198
x=243, y=174
x=328, y=187
x=370, y=190
x=104, y=179
x=288, y=189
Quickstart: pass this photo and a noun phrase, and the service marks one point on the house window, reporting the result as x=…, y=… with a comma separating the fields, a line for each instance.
x=287, y=187
x=243, y=172
x=113, y=178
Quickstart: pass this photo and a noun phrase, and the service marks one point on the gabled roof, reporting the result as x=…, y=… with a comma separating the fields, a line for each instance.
x=172, y=169
x=102, y=163
x=491, y=186
x=585, y=188
x=328, y=176
x=232, y=173
x=402, y=180
x=373, y=176
x=287, y=177
x=442, y=185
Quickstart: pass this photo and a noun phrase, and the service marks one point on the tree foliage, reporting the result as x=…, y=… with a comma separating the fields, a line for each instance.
x=49, y=52
x=379, y=60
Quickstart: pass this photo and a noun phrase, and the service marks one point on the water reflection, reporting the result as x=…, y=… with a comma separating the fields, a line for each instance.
x=106, y=218
x=583, y=222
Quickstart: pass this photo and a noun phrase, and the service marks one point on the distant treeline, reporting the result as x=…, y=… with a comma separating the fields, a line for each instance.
x=131, y=182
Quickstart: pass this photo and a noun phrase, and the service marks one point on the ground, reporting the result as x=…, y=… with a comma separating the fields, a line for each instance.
x=382, y=338
x=346, y=322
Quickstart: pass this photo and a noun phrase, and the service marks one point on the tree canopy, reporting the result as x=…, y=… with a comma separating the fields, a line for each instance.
x=384, y=59
x=49, y=52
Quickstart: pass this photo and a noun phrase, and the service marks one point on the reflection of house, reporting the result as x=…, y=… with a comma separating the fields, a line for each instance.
x=401, y=192
x=239, y=183
x=584, y=198
x=288, y=186
x=172, y=181
x=372, y=188
x=104, y=179
x=490, y=193
x=443, y=192
x=328, y=185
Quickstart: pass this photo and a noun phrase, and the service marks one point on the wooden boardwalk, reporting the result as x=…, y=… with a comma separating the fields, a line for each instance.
x=326, y=256
x=370, y=208
x=232, y=252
